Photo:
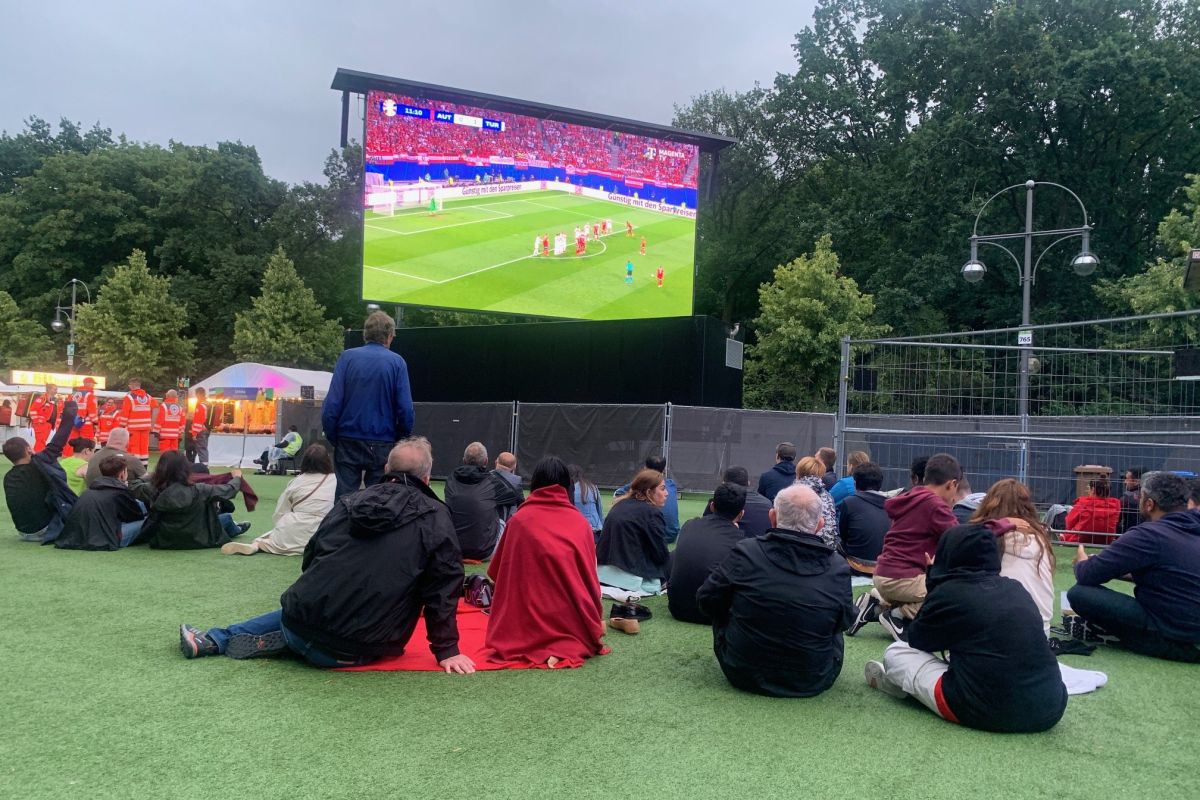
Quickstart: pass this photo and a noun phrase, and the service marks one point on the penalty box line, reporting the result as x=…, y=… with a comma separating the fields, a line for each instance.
x=393, y=231
x=477, y=271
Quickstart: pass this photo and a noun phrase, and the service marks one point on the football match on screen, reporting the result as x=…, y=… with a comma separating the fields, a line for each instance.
x=483, y=210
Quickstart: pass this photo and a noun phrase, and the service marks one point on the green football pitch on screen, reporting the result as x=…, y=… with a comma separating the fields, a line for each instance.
x=478, y=254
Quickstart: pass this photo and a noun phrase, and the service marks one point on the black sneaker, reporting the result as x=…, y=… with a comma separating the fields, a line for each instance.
x=247, y=645
x=243, y=527
x=868, y=611
x=630, y=611
x=896, y=625
x=194, y=643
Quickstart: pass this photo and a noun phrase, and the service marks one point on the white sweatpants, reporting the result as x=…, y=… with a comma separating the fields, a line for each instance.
x=915, y=671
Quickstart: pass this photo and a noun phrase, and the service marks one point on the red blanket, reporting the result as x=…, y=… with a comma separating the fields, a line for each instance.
x=472, y=630
x=547, y=600
x=248, y=494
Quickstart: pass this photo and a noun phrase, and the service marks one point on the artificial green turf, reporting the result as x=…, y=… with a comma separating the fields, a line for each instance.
x=477, y=254
x=97, y=702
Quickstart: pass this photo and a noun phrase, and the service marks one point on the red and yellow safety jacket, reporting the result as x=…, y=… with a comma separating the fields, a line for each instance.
x=44, y=410
x=200, y=419
x=108, y=421
x=171, y=421
x=137, y=411
x=86, y=400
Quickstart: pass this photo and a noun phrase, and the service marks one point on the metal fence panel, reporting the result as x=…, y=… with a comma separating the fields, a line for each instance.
x=610, y=443
x=704, y=442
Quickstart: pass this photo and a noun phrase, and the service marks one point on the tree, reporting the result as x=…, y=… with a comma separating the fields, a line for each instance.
x=135, y=328
x=285, y=325
x=23, y=343
x=806, y=310
x=1159, y=288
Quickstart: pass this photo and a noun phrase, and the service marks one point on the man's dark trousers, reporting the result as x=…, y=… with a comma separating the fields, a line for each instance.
x=358, y=463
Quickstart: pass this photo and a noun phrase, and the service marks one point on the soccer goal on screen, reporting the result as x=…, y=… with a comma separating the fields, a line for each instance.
x=385, y=202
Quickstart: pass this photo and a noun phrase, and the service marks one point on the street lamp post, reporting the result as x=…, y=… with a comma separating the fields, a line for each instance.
x=1084, y=263
x=68, y=312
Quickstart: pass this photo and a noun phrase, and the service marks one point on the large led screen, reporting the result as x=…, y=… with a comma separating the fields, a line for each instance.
x=477, y=209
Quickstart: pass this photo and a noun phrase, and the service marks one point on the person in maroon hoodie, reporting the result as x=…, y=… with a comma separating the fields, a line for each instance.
x=919, y=518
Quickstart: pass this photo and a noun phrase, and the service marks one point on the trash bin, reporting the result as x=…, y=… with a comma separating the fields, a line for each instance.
x=1086, y=473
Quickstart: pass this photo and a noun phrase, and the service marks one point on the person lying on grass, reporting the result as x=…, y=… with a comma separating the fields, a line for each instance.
x=547, y=544
x=381, y=557
x=1000, y=675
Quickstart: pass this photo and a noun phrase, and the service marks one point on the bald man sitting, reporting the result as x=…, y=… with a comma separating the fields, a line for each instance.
x=779, y=604
x=478, y=501
x=394, y=537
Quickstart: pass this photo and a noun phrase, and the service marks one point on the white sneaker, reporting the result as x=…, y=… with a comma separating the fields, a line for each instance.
x=877, y=678
x=239, y=548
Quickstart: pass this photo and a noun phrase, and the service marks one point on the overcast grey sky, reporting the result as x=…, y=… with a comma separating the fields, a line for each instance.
x=215, y=70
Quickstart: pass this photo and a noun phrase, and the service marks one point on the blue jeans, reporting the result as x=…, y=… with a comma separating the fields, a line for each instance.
x=271, y=622
x=229, y=526
x=130, y=531
x=358, y=463
x=1123, y=617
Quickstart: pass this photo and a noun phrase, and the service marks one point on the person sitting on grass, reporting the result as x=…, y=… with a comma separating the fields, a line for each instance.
x=779, y=604
x=301, y=507
x=1026, y=554
x=704, y=543
x=118, y=445
x=586, y=497
x=1162, y=558
x=862, y=520
x=395, y=537
x=919, y=518
x=106, y=516
x=670, y=507
x=547, y=544
x=845, y=486
x=999, y=674
x=632, y=553
x=183, y=515
x=75, y=465
x=479, y=501
x=35, y=488
x=808, y=473
x=756, y=515
x=1095, y=514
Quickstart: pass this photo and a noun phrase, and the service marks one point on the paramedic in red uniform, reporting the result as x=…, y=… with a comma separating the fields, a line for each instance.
x=43, y=414
x=170, y=422
x=137, y=415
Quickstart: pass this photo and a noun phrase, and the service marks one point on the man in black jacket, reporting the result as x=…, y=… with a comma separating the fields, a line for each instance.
x=381, y=557
x=780, y=603
x=862, y=520
x=36, y=489
x=107, y=516
x=1000, y=676
x=703, y=544
x=756, y=515
x=478, y=501
x=782, y=474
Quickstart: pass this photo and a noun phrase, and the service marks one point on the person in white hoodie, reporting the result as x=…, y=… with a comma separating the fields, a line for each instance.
x=1027, y=557
x=301, y=507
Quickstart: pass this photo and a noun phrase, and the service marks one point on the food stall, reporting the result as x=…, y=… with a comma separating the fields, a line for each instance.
x=244, y=410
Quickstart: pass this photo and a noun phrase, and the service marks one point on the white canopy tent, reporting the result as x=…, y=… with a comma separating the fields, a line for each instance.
x=237, y=380
x=255, y=383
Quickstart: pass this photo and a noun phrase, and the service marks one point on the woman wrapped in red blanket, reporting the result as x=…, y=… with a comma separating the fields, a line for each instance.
x=546, y=608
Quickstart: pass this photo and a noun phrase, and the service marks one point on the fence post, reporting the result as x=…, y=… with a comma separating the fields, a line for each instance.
x=512, y=431
x=666, y=443
x=839, y=420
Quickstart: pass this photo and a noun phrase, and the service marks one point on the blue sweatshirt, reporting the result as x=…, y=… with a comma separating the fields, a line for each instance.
x=1163, y=558
x=369, y=397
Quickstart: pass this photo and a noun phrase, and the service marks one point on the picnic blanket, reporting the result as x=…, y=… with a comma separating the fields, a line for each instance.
x=472, y=631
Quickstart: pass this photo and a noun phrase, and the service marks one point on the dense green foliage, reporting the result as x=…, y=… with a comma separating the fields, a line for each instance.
x=286, y=326
x=134, y=329
x=903, y=116
x=805, y=312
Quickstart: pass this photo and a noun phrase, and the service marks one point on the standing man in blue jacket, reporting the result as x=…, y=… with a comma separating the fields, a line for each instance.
x=1162, y=558
x=368, y=407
